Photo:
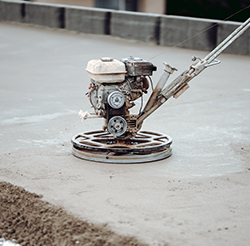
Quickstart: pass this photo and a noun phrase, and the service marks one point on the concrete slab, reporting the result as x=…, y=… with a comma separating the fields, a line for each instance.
x=199, y=196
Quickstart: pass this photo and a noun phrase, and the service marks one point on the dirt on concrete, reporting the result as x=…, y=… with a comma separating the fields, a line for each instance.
x=27, y=219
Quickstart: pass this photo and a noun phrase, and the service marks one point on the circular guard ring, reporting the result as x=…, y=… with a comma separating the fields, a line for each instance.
x=101, y=146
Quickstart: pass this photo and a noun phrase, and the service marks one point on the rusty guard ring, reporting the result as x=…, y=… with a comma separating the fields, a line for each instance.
x=101, y=146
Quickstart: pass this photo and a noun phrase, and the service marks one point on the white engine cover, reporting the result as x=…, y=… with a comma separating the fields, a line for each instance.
x=106, y=70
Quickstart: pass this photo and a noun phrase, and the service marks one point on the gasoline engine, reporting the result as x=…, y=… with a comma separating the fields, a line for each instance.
x=114, y=87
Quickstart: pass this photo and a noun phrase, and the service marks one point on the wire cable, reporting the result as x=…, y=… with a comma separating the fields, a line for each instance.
x=205, y=30
x=141, y=104
x=151, y=82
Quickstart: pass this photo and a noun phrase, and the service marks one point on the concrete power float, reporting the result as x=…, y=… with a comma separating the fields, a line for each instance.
x=115, y=85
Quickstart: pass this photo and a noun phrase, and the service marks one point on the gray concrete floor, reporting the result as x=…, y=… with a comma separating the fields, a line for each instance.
x=198, y=196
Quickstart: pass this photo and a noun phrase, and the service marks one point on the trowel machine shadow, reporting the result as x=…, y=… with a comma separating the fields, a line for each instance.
x=115, y=85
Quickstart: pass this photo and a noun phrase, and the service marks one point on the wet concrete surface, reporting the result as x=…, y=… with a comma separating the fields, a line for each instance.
x=198, y=196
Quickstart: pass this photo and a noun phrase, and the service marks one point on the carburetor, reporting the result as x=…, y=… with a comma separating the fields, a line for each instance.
x=114, y=87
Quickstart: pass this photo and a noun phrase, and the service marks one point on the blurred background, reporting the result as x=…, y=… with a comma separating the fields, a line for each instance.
x=212, y=9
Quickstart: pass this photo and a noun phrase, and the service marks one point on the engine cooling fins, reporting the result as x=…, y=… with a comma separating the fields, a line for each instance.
x=101, y=146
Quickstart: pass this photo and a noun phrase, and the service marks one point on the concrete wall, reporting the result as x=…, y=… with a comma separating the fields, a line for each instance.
x=11, y=11
x=85, y=3
x=136, y=26
x=174, y=28
x=44, y=15
x=241, y=46
x=87, y=20
x=191, y=33
x=32, y=13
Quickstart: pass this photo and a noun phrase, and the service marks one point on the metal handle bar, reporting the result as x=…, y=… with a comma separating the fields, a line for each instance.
x=180, y=84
